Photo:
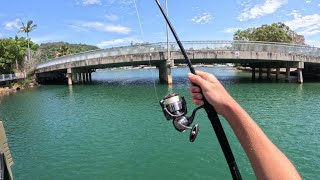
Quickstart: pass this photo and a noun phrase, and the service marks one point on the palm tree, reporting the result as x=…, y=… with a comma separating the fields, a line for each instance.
x=27, y=29
x=62, y=51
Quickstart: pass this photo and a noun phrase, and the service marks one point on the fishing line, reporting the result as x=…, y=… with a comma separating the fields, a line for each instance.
x=142, y=36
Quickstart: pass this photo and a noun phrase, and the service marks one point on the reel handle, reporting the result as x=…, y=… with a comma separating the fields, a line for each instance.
x=194, y=132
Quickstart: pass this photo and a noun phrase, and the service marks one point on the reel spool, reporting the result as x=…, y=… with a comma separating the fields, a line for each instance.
x=175, y=109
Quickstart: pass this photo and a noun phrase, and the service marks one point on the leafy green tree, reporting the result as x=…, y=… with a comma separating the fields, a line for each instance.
x=10, y=53
x=27, y=29
x=62, y=51
x=276, y=32
x=13, y=52
x=49, y=50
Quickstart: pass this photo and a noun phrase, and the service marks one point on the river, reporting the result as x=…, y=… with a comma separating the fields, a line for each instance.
x=115, y=129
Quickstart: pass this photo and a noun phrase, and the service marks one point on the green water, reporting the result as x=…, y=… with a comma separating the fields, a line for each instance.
x=114, y=128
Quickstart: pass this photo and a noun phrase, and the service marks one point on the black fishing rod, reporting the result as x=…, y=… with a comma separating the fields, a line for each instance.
x=176, y=109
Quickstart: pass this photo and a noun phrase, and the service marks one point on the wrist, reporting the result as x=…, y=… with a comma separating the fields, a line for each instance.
x=230, y=109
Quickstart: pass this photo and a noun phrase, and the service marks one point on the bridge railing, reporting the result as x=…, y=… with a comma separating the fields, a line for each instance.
x=7, y=77
x=189, y=45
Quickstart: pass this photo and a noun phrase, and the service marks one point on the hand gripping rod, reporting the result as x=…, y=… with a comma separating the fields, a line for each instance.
x=211, y=112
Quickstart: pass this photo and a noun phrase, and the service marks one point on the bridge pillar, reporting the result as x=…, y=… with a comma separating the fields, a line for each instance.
x=87, y=77
x=74, y=78
x=165, y=75
x=277, y=73
x=260, y=72
x=287, y=73
x=300, y=76
x=268, y=73
x=69, y=76
x=90, y=78
x=79, y=77
x=82, y=77
x=253, y=73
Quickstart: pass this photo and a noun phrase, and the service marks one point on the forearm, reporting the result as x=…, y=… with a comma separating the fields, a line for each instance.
x=267, y=160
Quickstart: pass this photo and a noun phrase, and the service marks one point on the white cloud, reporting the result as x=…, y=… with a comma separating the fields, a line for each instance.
x=260, y=10
x=203, y=18
x=121, y=2
x=78, y=28
x=306, y=25
x=120, y=41
x=99, y=26
x=308, y=1
x=111, y=17
x=14, y=24
x=90, y=2
x=231, y=30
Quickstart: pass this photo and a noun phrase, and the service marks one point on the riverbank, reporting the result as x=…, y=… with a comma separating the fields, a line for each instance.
x=17, y=86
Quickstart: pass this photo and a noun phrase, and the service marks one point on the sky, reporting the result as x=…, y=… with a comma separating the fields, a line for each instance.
x=111, y=23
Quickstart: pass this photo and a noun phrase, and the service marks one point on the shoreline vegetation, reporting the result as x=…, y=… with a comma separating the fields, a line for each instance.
x=17, y=86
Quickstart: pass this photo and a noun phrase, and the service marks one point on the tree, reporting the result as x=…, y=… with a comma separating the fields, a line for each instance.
x=276, y=32
x=11, y=52
x=49, y=50
x=27, y=29
x=62, y=51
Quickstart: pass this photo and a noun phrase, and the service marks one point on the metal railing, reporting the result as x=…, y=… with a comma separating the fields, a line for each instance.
x=189, y=45
x=8, y=77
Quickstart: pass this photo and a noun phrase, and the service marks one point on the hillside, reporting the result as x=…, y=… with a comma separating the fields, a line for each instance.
x=50, y=50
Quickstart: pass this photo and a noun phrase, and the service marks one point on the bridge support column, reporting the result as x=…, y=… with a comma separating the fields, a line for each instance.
x=253, y=73
x=82, y=77
x=300, y=76
x=268, y=73
x=69, y=76
x=277, y=73
x=165, y=75
x=287, y=73
x=260, y=72
x=79, y=77
x=74, y=78
x=89, y=76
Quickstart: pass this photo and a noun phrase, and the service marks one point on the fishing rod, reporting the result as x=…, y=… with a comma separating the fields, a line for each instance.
x=175, y=109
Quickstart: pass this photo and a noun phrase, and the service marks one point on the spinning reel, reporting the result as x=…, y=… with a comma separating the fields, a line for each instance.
x=176, y=109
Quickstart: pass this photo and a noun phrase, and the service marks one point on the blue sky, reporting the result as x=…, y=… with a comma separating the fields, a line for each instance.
x=108, y=23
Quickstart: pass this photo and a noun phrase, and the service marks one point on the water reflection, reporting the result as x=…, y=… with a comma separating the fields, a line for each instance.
x=70, y=90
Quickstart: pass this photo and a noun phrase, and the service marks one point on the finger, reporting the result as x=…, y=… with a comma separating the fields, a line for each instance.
x=198, y=102
x=197, y=96
x=207, y=76
x=198, y=81
x=195, y=89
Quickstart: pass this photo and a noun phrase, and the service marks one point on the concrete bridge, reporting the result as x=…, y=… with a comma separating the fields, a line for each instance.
x=257, y=55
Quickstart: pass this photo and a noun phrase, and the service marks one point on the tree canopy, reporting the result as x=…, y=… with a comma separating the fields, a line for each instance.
x=276, y=32
x=56, y=49
x=12, y=52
